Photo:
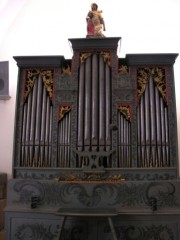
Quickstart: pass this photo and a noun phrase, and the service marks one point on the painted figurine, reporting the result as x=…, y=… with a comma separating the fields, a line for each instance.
x=95, y=22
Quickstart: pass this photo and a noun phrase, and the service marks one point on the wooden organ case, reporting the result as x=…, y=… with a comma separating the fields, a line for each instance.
x=95, y=146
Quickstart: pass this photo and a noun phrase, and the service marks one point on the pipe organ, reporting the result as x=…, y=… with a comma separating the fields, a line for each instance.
x=95, y=138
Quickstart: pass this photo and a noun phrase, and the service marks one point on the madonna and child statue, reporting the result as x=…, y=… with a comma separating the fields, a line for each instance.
x=95, y=22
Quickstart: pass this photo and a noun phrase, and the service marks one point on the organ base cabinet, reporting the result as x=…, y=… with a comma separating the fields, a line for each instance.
x=95, y=146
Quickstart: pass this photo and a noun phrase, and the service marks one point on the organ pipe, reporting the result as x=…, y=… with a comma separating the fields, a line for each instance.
x=94, y=119
x=153, y=139
x=37, y=124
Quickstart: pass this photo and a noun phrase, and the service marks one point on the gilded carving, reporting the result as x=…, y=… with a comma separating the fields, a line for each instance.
x=84, y=57
x=106, y=57
x=159, y=78
x=158, y=75
x=47, y=77
x=90, y=178
x=32, y=76
x=123, y=69
x=126, y=111
x=63, y=109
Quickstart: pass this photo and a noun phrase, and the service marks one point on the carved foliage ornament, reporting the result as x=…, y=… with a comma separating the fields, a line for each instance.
x=104, y=55
x=32, y=76
x=125, y=110
x=123, y=69
x=63, y=109
x=158, y=75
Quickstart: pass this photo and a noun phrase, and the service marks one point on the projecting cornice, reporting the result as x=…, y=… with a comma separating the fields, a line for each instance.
x=39, y=61
x=154, y=58
x=95, y=43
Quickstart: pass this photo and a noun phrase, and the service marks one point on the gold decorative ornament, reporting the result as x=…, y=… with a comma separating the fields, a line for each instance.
x=84, y=57
x=32, y=76
x=90, y=178
x=63, y=109
x=47, y=77
x=158, y=75
x=126, y=111
x=106, y=57
x=123, y=69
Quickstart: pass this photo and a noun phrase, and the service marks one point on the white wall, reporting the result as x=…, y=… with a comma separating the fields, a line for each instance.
x=38, y=27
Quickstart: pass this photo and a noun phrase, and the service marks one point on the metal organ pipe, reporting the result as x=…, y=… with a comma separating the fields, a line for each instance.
x=153, y=139
x=94, y=105
x=153, y=123
x=37, y=155
x=81, y=107
x=101, y=104
x=163, y=130
x=158, y=128
x=167, y=163
x=43, y=122
x=87, y=117
x=28, y=125
x=94, y=102
x=107, y=105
